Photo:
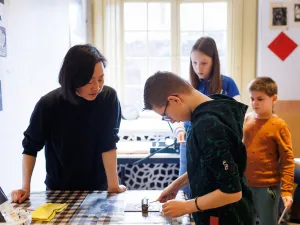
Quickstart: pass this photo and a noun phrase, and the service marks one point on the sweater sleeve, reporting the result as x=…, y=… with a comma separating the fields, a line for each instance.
x=113, y=124
x=35, y=134
x=232, y=89
x=284, y=142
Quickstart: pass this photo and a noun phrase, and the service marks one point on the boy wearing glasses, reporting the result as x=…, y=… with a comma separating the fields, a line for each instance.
x=216, y=155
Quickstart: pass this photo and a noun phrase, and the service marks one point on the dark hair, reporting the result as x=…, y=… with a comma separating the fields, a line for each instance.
x=208, y=46
x=160, y=86
x=77, y=69
x=264, y=84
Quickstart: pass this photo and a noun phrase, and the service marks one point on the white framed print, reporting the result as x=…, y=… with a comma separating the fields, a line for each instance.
x=279, y=15
x=296, y=13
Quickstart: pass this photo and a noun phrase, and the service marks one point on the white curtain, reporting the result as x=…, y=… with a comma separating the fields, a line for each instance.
x=108, y=35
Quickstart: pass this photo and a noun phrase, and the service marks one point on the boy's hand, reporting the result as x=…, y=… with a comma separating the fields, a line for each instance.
x=174, y=208
x=180, y=136
x=287, y=201
x=169, y=193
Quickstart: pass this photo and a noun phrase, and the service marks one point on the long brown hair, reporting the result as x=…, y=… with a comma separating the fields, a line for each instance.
x=208, y=46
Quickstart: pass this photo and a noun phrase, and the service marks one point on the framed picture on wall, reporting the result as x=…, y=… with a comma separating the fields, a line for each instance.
x=279, y=15
x=1, y=12
x=3, y=48
x=296, y=13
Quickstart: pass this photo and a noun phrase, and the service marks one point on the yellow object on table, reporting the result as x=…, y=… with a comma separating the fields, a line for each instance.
x=46, y=212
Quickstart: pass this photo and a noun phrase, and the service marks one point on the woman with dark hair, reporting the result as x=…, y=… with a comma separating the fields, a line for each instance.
x=78, y=124
x=205, y=76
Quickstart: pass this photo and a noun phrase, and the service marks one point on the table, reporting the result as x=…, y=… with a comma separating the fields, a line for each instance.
x=77, y=213
x=157, y=158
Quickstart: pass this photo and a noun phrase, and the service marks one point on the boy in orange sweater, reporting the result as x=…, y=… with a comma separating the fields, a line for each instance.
x=270, y=163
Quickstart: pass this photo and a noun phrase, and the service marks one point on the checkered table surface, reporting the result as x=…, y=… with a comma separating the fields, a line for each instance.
x=77, y=213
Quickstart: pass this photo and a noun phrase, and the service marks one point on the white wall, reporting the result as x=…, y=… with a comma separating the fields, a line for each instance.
x=285, y=73
x=37, y=40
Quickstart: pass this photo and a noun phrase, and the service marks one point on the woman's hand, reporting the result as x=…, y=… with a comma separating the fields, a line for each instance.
x=118, y=189
x=19, y=196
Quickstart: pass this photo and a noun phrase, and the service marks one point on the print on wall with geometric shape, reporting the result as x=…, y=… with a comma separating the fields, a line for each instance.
x=282, y=46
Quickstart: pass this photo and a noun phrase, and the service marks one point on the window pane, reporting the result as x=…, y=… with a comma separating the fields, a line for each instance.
x=158, y=64
x=134, y=96
x=134, y=71
x=223, y=62
x=187, y=40
x=159, y=16
x=221, y=40
x=135, y=44
x=159, y=44
x=215, y=16
x=191, y=17
x=135, y=16
x=184, y=67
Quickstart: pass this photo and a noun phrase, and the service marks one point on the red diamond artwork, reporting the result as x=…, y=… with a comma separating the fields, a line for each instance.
x=282, y=46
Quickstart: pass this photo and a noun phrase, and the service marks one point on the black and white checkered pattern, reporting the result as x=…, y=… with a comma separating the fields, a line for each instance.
x=72, y=198
x=76, y=212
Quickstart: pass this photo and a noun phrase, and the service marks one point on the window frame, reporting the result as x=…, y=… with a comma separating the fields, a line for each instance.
x=175, y=34
x=242, y=40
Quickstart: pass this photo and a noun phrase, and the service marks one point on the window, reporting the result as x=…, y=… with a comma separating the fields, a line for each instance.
x=147, y=45
x=156, y=37
x=202, y=19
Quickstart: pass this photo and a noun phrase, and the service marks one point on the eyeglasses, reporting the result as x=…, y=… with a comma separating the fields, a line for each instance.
x=165, y=117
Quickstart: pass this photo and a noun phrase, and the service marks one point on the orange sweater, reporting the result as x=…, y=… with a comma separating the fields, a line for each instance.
x=270, y=156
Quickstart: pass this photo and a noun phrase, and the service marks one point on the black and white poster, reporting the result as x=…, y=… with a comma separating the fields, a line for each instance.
x=3, y=51
x=279, y=15
x=1, y=11
x=3, y=47
x=296, y=13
